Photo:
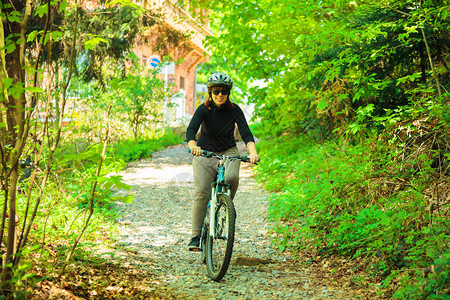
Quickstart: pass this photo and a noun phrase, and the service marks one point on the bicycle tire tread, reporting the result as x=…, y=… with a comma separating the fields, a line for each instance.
x=217, y=275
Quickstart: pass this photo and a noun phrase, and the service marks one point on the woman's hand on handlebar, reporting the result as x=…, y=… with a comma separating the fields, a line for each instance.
x=254, y=158
x=194, y=149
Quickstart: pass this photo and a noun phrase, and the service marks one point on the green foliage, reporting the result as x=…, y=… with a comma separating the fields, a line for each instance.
x=355, y=201
x=132, y=150
x=429, y=283
x=354, y=119
x=21, y=273
x=62, y=45
x=63, y=209
x=136, y=98
x=82, y=163
x=324, y=60
x=141, y=99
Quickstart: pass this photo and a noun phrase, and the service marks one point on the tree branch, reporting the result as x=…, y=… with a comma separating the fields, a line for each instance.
x=91, y=200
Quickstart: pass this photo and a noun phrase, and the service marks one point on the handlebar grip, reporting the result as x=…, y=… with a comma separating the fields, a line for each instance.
x=204, y=152
x=247, y=159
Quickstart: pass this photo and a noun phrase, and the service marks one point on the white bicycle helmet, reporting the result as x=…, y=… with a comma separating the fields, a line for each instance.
x=219, y=79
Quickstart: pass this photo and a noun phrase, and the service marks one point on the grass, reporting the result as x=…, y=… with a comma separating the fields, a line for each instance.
x=64, y=206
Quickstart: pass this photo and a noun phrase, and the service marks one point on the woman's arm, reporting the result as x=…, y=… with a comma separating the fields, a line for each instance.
x=247, y=135
x=192, y=129
x=254, y=157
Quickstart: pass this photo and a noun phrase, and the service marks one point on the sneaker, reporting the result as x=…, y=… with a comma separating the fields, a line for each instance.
x=194, y=244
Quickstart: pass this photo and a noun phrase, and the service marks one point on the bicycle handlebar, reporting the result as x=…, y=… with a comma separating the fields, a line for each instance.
x=206, y=153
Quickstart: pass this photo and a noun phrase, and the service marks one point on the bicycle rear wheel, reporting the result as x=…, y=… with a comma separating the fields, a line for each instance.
x=220, y=248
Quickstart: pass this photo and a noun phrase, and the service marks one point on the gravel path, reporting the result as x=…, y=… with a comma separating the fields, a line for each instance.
x=155, y=230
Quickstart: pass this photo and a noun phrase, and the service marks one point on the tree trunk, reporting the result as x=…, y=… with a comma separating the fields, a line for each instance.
x=3, y=129
x=3, y=75
x=13, y=132
x=11, y=242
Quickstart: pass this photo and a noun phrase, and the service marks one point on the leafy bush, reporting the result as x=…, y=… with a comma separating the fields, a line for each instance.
x=364, y=201
x=81, y=164
x=63, y=207
x=130, y=150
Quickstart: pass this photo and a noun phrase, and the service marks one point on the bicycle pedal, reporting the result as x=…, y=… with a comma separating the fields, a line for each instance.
x=196, y=249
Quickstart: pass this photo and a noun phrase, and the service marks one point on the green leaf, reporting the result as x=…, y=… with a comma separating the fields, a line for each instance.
x=28, y=275
x=322, y=105
x=57, y=35
x=63, y=5
x=123, y=3
x=32, y=35
x=16, y=89
x=10, y=46
x=7, y=82
x=14, y=16
x=127, y=199
x=42, y=10
x=34, y=89
x=90, y=44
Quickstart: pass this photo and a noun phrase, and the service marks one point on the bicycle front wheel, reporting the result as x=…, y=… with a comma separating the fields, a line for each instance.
x=204, y=235
x=220, y=247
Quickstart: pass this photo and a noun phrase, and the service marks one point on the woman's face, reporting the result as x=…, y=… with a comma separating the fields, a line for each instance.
x=222, y=97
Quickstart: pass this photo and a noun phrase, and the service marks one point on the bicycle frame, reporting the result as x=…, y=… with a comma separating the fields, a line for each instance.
x=216, y=190
x=225, y=230
x=218, y=184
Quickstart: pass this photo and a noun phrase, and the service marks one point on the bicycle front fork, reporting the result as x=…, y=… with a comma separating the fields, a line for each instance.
x=217, y=188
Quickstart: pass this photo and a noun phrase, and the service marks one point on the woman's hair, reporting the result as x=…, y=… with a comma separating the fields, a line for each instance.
x=208, y=101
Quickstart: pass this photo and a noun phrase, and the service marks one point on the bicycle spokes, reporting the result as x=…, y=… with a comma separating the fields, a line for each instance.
x=220, y=246
x=221, y=230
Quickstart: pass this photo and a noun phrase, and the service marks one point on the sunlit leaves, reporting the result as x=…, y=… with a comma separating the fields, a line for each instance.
x=11, y=43
x=113, y=181
x=375, y=47
x=408, y=78
x=42, y=10
x=32, y=89
x=32, y=35
x=123, y=3
x=14, y=16
x=7, y=82
x=53, y=35
x=13, y=89
x=63, y=5
x=93, y=41
x=56, y=35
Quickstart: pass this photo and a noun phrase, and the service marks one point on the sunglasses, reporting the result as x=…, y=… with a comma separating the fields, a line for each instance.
x=224, y=92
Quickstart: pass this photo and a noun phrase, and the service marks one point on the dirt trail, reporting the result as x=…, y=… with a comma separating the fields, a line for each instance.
x=155, y=229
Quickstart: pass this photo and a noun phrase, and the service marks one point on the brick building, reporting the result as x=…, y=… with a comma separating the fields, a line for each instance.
x=183, y=75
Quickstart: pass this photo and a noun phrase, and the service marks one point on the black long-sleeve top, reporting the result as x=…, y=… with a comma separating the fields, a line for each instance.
x=217, y=133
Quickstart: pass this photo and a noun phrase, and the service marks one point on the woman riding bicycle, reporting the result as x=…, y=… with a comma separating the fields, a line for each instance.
x=217, y=117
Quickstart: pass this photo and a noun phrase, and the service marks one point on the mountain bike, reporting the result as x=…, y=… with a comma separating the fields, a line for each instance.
x=217, y=235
